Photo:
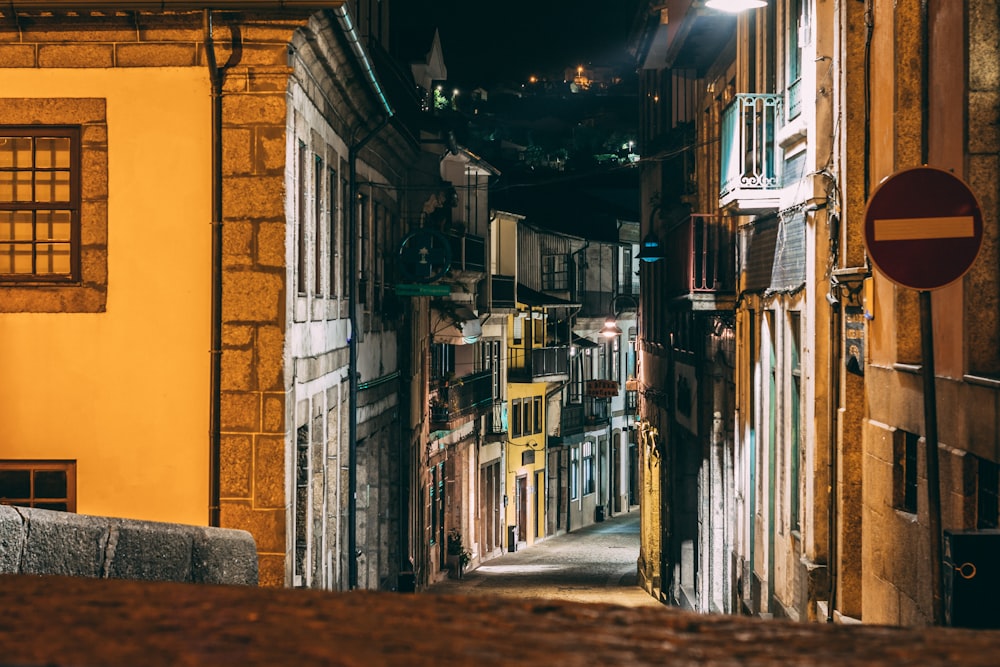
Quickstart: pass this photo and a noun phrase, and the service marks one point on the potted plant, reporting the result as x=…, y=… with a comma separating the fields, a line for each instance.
x=458, y=556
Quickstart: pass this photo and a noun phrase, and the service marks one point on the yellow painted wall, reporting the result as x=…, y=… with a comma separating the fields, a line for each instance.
x=126, y=392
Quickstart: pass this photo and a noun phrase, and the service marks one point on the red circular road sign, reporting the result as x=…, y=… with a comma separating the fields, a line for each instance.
x=923, y=228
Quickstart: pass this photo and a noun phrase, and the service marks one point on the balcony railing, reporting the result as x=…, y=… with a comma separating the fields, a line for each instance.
x=702, y=255
x=748, y=154
x=578, y=417
x=468, y=252
x=596, y=411
x=572, y=419
x=528, y=365
x=463, y=396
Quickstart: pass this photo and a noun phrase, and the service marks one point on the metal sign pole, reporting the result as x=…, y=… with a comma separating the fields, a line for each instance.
x=931, y=440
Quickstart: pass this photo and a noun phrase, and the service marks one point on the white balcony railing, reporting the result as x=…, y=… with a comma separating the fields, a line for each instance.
x=749, y=157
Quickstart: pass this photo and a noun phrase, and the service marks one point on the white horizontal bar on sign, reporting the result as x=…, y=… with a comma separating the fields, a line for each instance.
x=920, y=229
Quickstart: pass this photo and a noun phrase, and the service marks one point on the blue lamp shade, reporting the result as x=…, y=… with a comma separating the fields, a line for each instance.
x=651, y=250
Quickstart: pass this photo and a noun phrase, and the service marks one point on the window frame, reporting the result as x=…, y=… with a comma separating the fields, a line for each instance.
x=555, y=272
x=905, y=462
x=43, y=465
x=73, y=205
x=587, y=469
x=90, y=293
x=574, y=474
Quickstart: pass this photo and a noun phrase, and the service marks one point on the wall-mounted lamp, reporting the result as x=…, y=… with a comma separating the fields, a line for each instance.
x=651, y=250
x=735, y=6
x=531, y=444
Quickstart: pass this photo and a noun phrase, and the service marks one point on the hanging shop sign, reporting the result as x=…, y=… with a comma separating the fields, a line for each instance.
x=601, y=388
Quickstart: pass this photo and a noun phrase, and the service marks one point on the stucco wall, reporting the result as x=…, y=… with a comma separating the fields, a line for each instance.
x=125, y=392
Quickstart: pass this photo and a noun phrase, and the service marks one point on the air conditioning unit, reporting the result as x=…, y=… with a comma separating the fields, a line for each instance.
x=971, y=578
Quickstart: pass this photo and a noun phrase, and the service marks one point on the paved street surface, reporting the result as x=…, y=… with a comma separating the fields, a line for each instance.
x=64, y=622
x=593, y=564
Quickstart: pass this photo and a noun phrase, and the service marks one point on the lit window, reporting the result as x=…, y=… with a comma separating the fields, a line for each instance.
x=39, y=204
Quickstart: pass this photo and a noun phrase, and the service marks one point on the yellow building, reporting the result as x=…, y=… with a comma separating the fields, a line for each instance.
x=177, y=304
x=525, y=471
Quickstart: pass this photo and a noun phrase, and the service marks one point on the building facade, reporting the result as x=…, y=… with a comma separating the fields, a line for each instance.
x=822, y=432
x=229, y=131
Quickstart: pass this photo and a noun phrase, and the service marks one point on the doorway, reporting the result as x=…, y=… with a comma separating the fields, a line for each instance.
x=521, y=499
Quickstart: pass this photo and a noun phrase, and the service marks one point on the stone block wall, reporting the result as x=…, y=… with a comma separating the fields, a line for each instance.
x=43, y=542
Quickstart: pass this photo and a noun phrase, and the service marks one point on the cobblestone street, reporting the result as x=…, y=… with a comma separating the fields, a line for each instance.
x=594, y=564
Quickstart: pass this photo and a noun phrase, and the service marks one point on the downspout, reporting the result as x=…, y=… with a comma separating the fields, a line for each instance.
x=833, y=298
x=216, y=76
x=352, y=296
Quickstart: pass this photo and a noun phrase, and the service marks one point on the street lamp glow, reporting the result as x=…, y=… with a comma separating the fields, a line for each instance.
x=734, y=6
x=611, y=328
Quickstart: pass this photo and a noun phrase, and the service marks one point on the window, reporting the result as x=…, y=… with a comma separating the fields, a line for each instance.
x=515, y=417
x=345, y=277
x=537, y=413
x=317, y=225
x=85, y=288
x=39, y=204
x=301, y=226
x=490, y=352
x=364, y=220
x=333, y=214
x=797, y=33
x=49, y=485
x=574, y=474
x=615, y=359
x=905, y=471
x=986, y=495
x=555, y=273
x=629, y=280
x=588, y=468
x=442, y=360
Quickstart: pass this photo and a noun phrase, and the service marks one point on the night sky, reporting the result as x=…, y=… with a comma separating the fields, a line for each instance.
x=486, y=42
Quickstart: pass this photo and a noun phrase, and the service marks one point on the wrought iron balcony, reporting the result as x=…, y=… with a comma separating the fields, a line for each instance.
x=456, y=399
x=578, y=417
x=701, y=260
x=749, y=163
x=596, y=411
x=571, y=421
x=537, y=364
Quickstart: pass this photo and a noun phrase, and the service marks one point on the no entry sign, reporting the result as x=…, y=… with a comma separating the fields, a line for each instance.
x=923, y=228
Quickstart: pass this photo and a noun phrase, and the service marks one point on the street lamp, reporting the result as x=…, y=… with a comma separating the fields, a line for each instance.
x=651, y=250
x=734, y=6
x=611, y=328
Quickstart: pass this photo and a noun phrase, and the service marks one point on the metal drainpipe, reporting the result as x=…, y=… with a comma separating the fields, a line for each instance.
x=352, y=344
x=216, y=76
x=834, y=390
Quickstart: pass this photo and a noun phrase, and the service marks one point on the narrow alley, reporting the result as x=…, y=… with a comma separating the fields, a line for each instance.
x=594, y=564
